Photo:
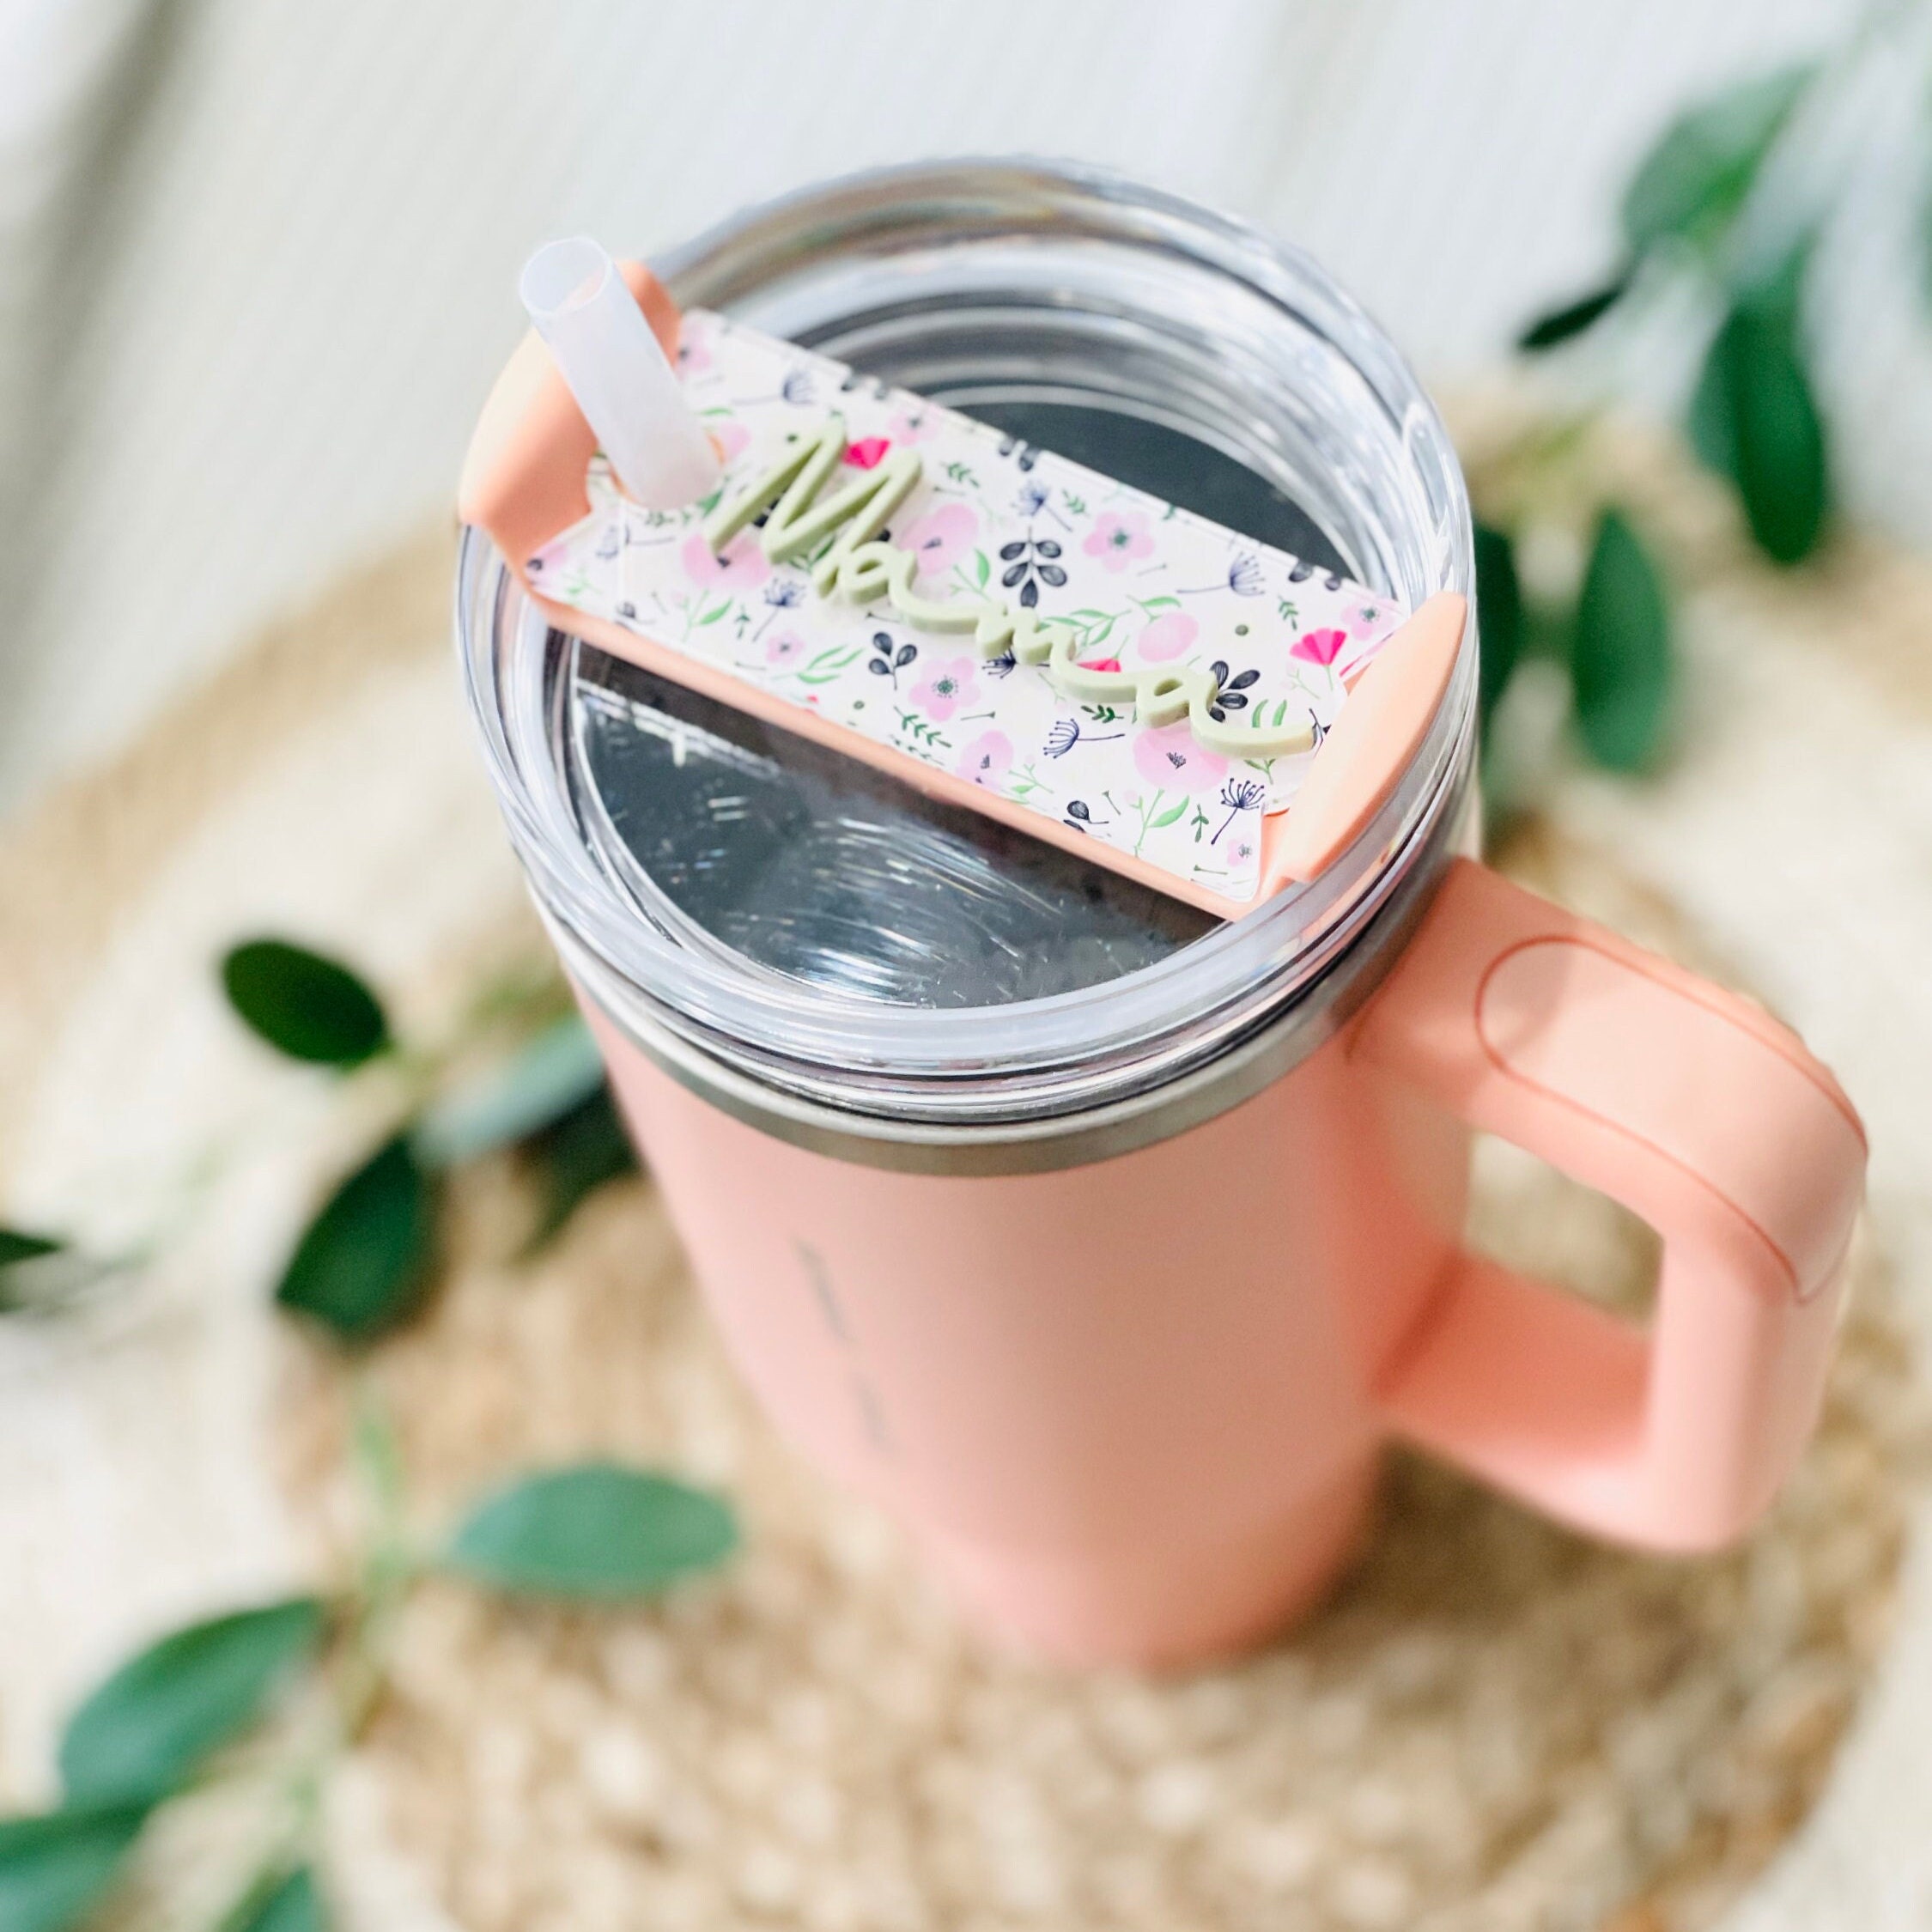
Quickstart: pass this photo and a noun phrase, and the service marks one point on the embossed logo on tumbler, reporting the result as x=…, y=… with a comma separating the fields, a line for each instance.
x=1088, y=1192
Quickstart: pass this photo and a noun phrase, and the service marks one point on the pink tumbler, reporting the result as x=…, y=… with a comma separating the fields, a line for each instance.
x=1103, y=1244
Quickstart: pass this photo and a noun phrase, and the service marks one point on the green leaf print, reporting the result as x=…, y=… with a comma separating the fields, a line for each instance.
x=1095, y=627
x=825, y=666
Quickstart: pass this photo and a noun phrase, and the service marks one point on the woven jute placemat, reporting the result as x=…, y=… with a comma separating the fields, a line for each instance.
x=1493, y=1725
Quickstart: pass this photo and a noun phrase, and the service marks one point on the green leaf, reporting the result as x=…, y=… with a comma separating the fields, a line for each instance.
x=1558, y=324
x=18, y=1249
x=982, y=568
x=1694, y=181
x=597, y=1530
x=39, y=1274
x=1499, y=617
x=288, y=1902
x=54, y=1868
x=150, y=1725
x=1754, y=418
x=544, y=1079
x=1620, y=654
x=17, y=1245
x=43, y=1276
x=304, y=1004
x=574, y=1156
x=1708, y=422
x=364, y=1261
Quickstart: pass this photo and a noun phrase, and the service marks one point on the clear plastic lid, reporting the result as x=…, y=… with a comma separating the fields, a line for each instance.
x=812, y=923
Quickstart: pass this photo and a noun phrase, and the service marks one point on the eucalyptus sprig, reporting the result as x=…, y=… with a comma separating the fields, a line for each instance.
x=276, y=1692
x=1719, y=225
x=517, y=1072
x=367, y=1258
x=1713, y=229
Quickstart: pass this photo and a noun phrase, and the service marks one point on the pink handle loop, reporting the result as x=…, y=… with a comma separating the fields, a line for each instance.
x=1698, y=1112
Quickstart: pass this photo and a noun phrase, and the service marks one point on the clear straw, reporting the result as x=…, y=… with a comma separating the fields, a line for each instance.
x=627, y=389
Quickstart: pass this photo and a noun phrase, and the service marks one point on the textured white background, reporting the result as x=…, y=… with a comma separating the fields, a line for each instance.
x=256, y=257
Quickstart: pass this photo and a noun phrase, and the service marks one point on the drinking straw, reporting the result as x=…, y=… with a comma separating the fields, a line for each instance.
x=627, y=389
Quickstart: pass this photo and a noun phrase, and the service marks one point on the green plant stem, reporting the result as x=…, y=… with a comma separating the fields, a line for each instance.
x=359, y=1674
x=288, y=1843
x=1535, y=462
x=390, y=1564
x=520, y=999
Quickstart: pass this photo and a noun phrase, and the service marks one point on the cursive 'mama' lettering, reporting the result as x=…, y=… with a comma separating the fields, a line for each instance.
x=849, y=558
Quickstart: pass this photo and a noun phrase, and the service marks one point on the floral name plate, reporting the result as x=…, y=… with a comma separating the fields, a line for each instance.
x=1134, y=594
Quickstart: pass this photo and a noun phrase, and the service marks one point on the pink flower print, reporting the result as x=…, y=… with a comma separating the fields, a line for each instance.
x=1171, y=758
x=1100, y=663
x=784, y=648
x=987, y=759
x=552, y=554
x=940, y=538
x=1319, y=647
x=919, y=429
x=730, y=440
x=694, y=356
x=1116, y=539
x=741, y=563
x=1167, y=637
x=945, y=687
x=868, y=451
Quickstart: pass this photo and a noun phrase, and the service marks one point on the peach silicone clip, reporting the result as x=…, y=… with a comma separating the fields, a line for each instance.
x=1001, y=628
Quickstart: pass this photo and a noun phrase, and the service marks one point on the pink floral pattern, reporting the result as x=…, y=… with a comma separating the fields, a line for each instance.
x=941, y=538
x=987, y=759
x=1167, y=637
x=1319, y=647
x=1170, y=759
x=741, y=563
x=1118, y=538
x=989, y=522
x=946, y=686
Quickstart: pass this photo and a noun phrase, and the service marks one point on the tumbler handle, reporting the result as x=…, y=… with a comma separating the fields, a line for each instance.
x=1690, y=1107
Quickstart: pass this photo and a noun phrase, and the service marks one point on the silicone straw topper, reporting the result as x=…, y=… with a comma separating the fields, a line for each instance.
x=619, y=375
x=994, y=624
